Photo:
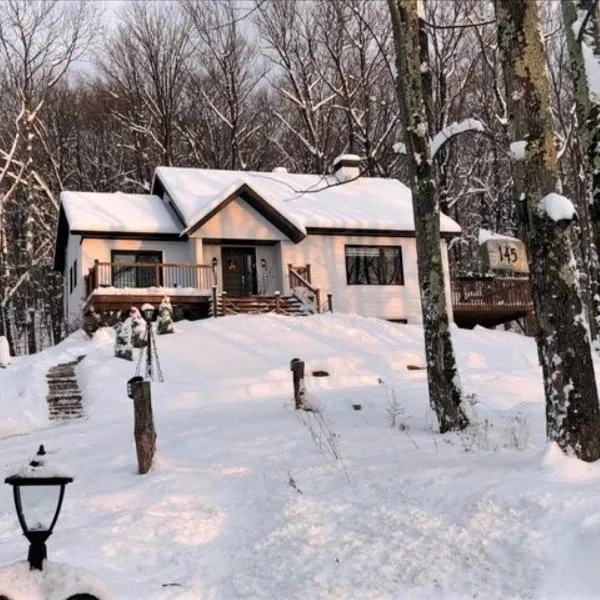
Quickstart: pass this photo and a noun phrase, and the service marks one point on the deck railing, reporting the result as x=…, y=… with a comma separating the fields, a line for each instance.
x=299, y=277
x=146, y=275
x=494, y=293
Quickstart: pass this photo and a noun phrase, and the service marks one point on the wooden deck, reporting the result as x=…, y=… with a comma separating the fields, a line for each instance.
x=112, y=288
x=490, y=301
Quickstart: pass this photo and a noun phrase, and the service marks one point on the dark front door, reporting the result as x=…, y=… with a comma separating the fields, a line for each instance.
x=239, y=271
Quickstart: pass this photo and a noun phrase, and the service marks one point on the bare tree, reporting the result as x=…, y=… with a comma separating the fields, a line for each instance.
x=38, y=43
x=445, y=394
x=572, y=411
x=145, y=64
x=224, y=88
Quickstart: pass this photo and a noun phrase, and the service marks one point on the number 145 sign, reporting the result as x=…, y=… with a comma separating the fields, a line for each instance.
x=505, y=254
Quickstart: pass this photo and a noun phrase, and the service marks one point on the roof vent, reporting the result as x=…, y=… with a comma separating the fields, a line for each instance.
x=280, y=170
x=346, y=167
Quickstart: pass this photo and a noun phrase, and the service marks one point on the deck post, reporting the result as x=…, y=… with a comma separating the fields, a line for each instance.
x=278, y=302
x=214, y=301
x=297, y=369
x=318, y=300
x=143, y=430
x=96, y=272
x=330, y=302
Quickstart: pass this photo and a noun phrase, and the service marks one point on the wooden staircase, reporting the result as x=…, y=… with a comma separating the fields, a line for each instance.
x=257, y=305
x=64, y=396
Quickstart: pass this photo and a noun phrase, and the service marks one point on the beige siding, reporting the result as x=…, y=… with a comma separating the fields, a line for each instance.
x=99, y=249
x=239, y=221
x=326, y=256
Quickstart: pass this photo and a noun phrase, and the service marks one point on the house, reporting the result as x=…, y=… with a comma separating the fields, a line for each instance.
x=341, y=240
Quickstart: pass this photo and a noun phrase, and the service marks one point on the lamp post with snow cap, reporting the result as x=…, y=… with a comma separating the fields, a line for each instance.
x=38, y=492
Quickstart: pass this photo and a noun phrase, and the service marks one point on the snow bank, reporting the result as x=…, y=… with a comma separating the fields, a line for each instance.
x=4, y=352
x=246, y=498
x=55, y=582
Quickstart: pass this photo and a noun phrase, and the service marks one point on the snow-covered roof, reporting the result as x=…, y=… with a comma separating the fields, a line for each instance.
x=117, y=212
x=308, y=201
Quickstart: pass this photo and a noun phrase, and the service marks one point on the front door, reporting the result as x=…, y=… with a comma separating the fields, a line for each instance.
x=239, y=271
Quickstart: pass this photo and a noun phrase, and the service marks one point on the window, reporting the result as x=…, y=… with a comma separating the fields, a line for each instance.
x=75, y=274
x=71, y=280
x=136, y=269
x=374, y=265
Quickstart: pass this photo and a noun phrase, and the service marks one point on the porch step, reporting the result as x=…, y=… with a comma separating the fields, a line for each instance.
x=64, y=396
x=285, y=305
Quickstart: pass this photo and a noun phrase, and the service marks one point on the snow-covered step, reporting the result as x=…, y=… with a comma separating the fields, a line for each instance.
x=64, y=396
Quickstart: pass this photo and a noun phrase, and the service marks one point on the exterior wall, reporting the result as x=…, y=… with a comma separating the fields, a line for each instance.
x=73, y=300
x=100, y=249
x=239, y=221
x=326, y=257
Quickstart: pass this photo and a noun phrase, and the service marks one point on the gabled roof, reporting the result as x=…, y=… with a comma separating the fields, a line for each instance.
x=112, y=215
x=309, y=202
x=117, y=213
x=258, y=198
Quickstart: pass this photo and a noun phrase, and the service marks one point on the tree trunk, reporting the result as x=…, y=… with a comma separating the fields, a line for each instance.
x=445, y=393
x=572, y=411
x=586, y=154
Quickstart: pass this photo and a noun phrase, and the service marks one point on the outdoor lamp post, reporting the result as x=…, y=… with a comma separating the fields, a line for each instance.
x=38, y=493
x=148, y=312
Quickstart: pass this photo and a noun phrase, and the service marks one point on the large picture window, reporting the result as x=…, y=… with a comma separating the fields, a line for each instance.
x=136, y=269
x=374, y=265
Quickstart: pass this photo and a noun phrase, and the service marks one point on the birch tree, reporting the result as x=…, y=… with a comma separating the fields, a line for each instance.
x=572, y=411
x=445, y=392
x=38, y=43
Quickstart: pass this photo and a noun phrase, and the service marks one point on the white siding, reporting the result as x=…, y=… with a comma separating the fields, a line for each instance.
x=73, y=299
x=239, y=221
x=326, y=256
x=100, y=249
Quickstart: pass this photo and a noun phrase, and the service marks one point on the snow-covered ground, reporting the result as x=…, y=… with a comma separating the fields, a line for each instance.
x=249, y=499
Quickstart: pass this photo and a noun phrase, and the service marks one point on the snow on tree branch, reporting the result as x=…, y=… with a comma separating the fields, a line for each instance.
x=558, y=208
x=452, y=130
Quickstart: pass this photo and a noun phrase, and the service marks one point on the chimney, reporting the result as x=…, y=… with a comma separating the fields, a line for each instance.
x=345, y=167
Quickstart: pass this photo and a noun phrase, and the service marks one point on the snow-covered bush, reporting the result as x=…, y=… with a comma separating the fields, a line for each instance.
x=138, y=328
x=165, y=317
x=90, y=322
x=123, y=345
x=4, y=352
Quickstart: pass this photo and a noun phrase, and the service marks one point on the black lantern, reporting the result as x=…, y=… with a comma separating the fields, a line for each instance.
x=215, y=261
x=38, y=493
x=148, y=312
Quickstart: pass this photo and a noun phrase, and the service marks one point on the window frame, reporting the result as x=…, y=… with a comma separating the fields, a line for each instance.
x=136, y=253
x=380, y=264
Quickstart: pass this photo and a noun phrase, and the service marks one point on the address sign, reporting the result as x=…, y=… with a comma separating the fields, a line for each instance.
x=505, y=254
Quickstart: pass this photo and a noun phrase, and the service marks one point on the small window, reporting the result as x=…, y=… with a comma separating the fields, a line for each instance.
x=75, y=274
x=71, y=280
x=374, y=265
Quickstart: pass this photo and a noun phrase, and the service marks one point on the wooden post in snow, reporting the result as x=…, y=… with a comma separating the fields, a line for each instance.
x=143, y=431
x=330, y=302
x=214, y=301
x=297, y=369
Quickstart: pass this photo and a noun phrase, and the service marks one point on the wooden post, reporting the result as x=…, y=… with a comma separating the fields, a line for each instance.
x=143, y=431
x=318, y=300
x=330, y=302
x=214, y=301
x=277, y=302
x=297, y=369
x=96, y=280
